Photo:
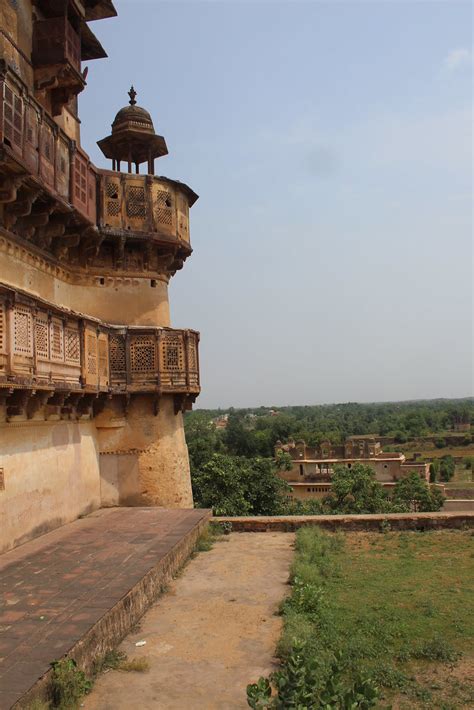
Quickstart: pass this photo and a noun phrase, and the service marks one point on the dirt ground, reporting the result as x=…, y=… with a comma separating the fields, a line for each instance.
x=211, y=634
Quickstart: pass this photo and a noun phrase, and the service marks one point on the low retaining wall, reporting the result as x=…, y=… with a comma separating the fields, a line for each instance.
x=458, y=504
x=459, y=493
x=376, y=523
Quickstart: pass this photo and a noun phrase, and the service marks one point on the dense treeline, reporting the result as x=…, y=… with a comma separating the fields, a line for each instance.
x=233, y=470
x=254, y=432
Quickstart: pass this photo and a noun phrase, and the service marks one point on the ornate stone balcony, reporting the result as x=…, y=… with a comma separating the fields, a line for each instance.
x=57, y=201
x=53, y=357
x=145, y=216
x=145, y=205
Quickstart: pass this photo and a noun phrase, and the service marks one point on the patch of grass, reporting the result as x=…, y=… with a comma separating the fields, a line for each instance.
x=111, y=661
x=207, y=538
x=394, y=608
x=116, y=660
x=437, y=649
x=138, y=665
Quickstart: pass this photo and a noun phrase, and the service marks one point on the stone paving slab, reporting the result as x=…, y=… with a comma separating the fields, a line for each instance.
x=55, y=589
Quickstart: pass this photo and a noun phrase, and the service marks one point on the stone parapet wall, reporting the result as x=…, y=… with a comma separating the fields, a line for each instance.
x=369, y=523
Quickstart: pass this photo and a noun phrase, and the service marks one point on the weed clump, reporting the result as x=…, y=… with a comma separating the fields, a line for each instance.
x=138, y=665
x=437, y=649
x=68, y=684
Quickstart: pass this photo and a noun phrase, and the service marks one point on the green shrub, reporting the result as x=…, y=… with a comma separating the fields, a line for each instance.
x=304, y=684
x=437, y=649
x=68, y=684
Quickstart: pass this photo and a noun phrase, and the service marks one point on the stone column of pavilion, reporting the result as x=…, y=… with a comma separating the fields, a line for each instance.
x=145, y=231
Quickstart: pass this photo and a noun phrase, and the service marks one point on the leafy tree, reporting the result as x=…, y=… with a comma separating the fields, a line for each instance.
x=283, y=461
x=203, y=440
x=235, y=485
x=413, y=493
x=434, y=471
x=238, y=437
x=220, y=485
x=266, y=492
x=447, y=466
x=355, y=490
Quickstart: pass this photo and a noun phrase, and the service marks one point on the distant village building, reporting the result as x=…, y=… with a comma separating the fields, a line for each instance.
x=221, y=422
x=462, y=426
x=313, y=466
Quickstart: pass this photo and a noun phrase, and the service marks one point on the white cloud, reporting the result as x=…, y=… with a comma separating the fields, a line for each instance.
x=457, y=58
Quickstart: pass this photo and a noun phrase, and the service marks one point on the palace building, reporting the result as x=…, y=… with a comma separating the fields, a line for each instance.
x=93, y=378
x=313, y=466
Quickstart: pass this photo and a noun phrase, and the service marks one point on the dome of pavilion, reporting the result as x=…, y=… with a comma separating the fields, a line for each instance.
x=133, y=139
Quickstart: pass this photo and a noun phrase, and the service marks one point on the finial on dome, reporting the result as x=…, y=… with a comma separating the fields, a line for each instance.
x=132, y=93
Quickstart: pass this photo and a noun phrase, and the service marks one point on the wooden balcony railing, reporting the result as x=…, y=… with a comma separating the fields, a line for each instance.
x=31, y=137
x=45, y=348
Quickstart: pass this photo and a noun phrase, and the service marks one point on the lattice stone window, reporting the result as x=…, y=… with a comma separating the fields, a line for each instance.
x=72, y=346
x=143, y=354
x=118, y=362
x=136, y=205
x=113, y=198
x=41, y=336
x=56, y=340
x=91, y=354
x=3, y=328
x=23, y=331
x=163, y=206
x=172, y=352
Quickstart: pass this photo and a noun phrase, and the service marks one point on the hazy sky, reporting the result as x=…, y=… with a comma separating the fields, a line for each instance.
x=330, y=144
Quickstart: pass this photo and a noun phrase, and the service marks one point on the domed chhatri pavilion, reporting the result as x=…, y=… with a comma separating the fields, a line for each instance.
x=133, y=138
x=93, y=378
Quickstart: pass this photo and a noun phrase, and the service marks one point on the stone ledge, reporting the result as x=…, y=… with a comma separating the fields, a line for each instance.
x=397, y=521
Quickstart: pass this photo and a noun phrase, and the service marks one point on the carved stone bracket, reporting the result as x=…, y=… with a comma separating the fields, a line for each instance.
x=9, y=187
x=17, y=403
x=37, y=401
x=39, y=217
x=21, y=207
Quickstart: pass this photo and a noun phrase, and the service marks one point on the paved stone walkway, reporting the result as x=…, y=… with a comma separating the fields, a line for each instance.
x=55, y=588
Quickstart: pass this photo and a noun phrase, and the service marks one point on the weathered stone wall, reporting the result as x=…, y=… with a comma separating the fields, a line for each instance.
x=459, y=504
x=459, y=492
x=144, y=457
x=375, y=523
x=51, y=476
x=120, y=300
